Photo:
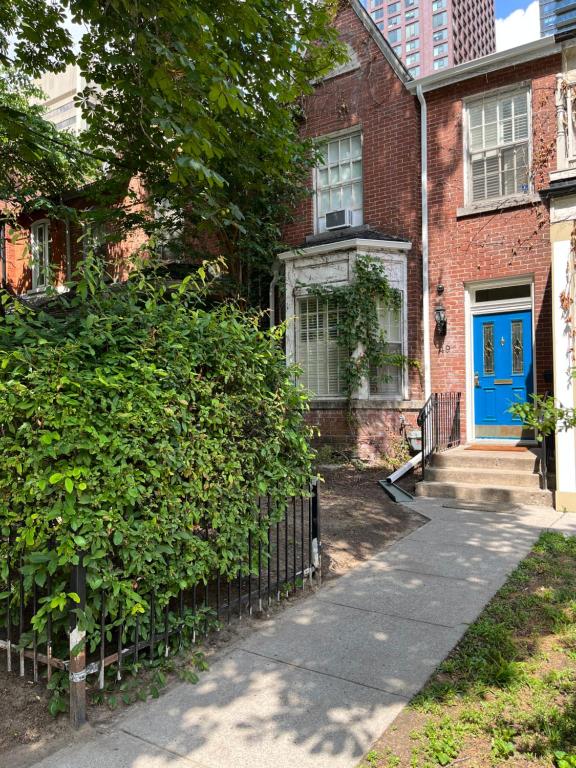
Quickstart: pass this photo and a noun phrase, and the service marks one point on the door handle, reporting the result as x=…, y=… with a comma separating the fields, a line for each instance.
x=476, y=379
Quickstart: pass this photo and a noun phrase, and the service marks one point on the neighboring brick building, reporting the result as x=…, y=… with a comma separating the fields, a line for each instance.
x=371, y=125
x=429, y=36
x=39, y=250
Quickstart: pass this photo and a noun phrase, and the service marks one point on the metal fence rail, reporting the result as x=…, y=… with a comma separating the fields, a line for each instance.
x=285, y=562
x=439, y=421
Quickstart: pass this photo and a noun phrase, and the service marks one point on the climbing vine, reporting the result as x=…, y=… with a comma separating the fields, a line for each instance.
x=358, y=328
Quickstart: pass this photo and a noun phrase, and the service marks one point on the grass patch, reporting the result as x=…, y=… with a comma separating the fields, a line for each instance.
x=507, y=693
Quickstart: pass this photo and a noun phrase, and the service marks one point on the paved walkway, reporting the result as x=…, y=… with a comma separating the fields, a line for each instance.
x=314, y=687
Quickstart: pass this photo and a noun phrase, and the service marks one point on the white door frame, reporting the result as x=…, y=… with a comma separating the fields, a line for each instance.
x=473, y=308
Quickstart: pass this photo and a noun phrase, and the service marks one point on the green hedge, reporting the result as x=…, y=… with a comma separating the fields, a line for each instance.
x=130, y=423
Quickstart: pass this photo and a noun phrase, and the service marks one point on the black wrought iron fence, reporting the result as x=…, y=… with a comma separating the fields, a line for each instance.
x=439, y=422
x=287, y=559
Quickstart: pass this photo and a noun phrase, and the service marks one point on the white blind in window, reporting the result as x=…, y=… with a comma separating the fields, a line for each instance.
x=318, y=353
x=498, y=145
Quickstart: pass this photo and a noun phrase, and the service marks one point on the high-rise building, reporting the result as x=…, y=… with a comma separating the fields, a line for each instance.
x=558, y=17
x=60, y=88
x=428, y=35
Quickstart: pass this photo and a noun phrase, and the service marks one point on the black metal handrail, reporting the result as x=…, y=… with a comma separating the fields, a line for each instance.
x=439, y=421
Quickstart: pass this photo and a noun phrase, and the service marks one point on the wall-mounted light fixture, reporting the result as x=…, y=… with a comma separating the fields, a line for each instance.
x=441, y=322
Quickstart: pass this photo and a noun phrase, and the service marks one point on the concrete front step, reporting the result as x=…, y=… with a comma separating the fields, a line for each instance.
x=512, y=461
x=523, y=478
x=490, y=494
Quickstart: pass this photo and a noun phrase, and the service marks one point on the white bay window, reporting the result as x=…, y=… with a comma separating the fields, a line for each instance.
x=312, y=337
x=498, y=145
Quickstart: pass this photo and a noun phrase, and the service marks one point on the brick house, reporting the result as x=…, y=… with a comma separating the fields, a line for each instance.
x=364, y=113
x=461, y=206
x=39, y=249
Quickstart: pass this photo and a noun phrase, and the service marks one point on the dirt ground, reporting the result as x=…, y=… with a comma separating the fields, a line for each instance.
x=357, y=520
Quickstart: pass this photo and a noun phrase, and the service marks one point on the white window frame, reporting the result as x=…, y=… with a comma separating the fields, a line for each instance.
x=337, y=136
x=332, y=266
x=45, y=256
x=497, y=94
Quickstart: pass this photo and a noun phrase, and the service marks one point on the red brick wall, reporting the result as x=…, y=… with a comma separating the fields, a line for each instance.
x=373, y=97
x=493, y=244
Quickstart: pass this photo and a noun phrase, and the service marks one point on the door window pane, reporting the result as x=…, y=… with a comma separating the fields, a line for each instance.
x=517, y=347
x=488, y=348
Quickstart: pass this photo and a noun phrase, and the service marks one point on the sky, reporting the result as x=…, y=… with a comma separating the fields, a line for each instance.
x=517, y=22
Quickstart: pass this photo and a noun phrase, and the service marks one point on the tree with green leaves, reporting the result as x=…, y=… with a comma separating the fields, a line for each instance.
x=196, y=99
x=38, y=163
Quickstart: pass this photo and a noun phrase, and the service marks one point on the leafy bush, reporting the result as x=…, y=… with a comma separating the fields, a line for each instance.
x=138, y=428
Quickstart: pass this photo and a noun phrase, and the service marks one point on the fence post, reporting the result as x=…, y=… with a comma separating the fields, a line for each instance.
x=316, y=541
x=77, y=663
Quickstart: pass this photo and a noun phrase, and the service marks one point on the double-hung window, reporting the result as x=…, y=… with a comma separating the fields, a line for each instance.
x=339, y=179
x=498, y=145
x=387, y=381
x=318, y=352
x=40, y=251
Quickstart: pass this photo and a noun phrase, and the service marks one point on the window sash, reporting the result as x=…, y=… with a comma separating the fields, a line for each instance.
x=318, y=353
x=339, y=179
x=498, y=144
x=40, y=251
x=387, y=381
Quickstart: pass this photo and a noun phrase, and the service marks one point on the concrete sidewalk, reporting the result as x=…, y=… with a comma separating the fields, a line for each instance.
x=314, y=687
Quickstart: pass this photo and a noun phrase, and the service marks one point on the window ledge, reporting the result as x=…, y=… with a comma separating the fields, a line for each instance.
x=383, y=404
x=497, y=204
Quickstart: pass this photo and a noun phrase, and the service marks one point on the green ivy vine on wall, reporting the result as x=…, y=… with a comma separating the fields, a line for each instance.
x=359, y=333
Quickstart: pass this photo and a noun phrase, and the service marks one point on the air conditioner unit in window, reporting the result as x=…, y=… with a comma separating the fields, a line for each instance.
x=339, y=219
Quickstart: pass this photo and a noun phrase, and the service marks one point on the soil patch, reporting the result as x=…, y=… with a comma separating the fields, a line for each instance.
x=358, y=518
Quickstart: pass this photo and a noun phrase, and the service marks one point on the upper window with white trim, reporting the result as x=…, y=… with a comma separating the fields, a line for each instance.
x=498, y=145
x=40, y=251
x=339, y=180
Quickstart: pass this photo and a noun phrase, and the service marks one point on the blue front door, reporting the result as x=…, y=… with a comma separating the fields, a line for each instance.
x=503, y=372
